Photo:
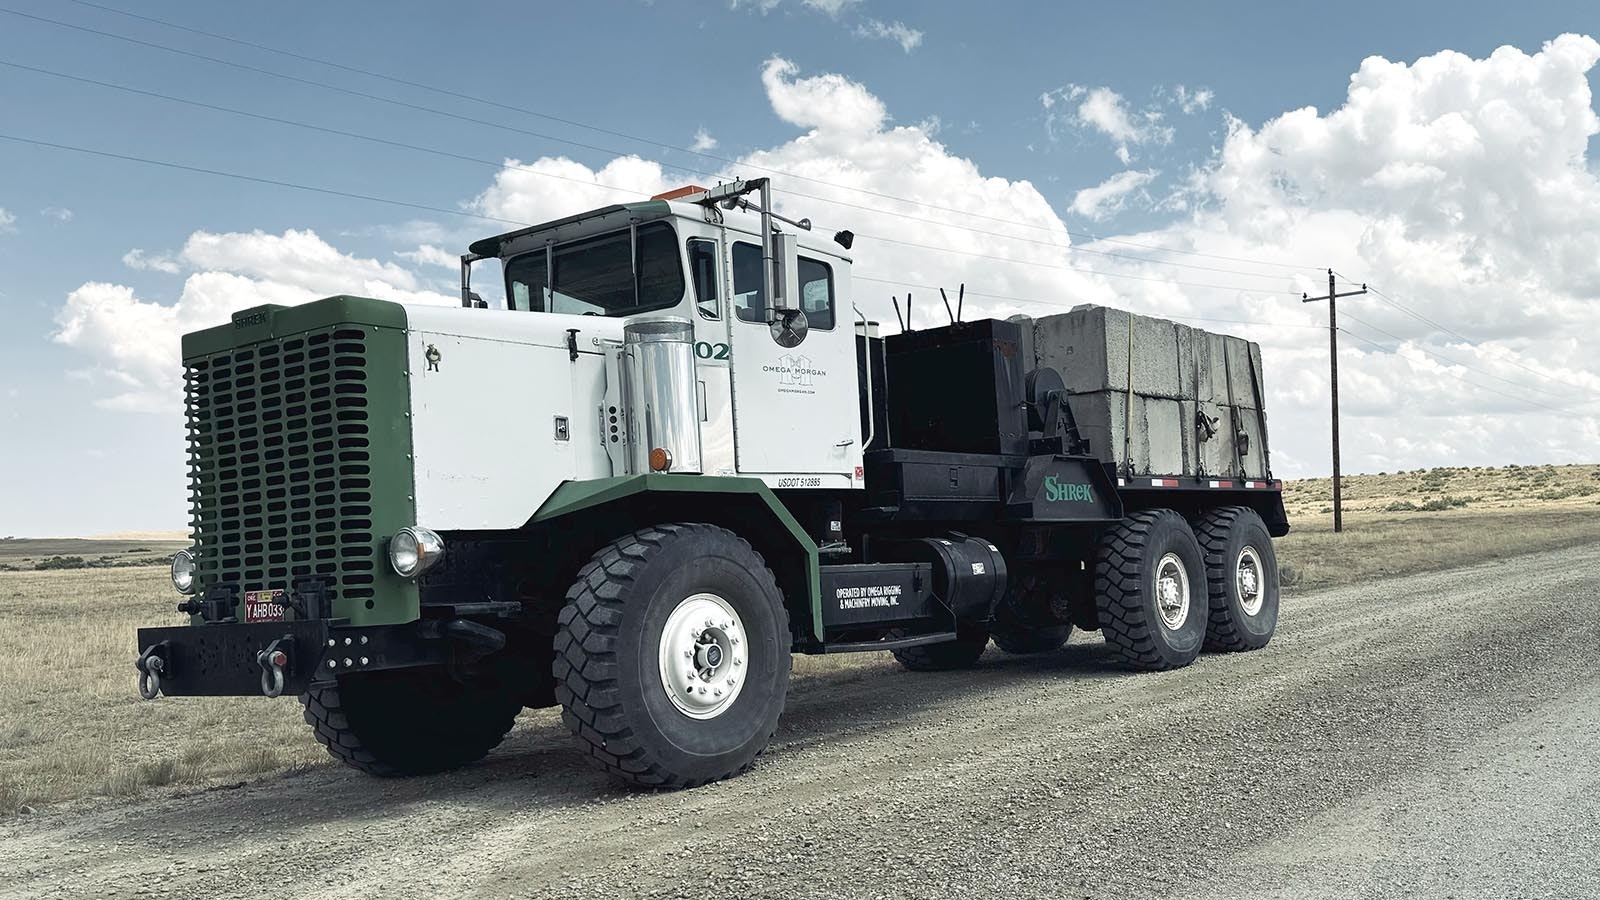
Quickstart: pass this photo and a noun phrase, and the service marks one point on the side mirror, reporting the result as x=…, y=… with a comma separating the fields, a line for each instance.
x=786, y=280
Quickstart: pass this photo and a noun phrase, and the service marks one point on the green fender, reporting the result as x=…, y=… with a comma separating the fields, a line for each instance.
x=573, y=496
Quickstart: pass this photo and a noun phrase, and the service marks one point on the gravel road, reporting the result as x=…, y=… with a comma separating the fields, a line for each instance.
x=1431, y=736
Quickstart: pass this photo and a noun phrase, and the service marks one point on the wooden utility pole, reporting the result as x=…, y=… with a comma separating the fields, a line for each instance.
x=1333, y=369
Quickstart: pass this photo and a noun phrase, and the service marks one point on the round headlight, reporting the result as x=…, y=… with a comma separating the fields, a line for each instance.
x=412, y=550
x=404, y=552
x=183, y=571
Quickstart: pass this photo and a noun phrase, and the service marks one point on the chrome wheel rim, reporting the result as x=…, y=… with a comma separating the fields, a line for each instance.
x=701, y=656
x=1172, y=591
x=1248, y=580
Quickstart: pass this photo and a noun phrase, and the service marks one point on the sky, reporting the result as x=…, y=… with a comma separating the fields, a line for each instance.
x=1176, y=161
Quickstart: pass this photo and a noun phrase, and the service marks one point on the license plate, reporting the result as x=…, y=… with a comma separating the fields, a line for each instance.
x=263, y=606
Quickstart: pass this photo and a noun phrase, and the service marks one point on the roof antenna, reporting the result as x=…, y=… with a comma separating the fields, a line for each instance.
x=961, y=297
x=943, y=296
x=896, y=301
x=908, y=310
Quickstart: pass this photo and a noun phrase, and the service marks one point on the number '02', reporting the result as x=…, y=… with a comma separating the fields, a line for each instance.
x=710, y=351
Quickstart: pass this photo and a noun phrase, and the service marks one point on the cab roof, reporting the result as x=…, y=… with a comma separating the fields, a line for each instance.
x=644, y=211
x=608, y=218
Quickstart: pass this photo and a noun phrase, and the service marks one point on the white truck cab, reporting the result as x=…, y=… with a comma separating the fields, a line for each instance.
x=776, y=391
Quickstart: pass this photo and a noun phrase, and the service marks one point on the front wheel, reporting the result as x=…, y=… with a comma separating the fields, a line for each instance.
x=1150, y=591
x=407, y=721
x=672, y=656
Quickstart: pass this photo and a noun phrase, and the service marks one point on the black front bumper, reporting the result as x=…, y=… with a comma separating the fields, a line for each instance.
x=221, y=660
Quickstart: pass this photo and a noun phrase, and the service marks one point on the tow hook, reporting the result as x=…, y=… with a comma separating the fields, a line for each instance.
x=150, y=665
x=273, y=661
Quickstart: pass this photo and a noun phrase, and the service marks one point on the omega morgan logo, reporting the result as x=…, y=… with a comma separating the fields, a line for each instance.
x=795, y=370
x=1055, y=491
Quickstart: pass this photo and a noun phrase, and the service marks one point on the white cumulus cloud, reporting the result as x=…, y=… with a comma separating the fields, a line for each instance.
x=150, y=262
x=1461, y=188
x=830, y=103
x=830, y=8
x=1111, y=195
x=703, y=141
x=429, y=255
x=1103, y=110
x=1191, y=101
x=134, y=341
x=1458, y=185
x=8, y=221
x=907, y=37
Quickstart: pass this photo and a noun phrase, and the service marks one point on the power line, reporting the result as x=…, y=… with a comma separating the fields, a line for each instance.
x=623, y=135
x=1455, y=362
x=330, y=191
x=1460, y=378
x=497, y=166
x=1045, y=265
x=1058, y=304
x=257, y=180
x=1425, y=320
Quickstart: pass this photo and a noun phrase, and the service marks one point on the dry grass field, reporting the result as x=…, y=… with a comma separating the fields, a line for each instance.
x=72, y=726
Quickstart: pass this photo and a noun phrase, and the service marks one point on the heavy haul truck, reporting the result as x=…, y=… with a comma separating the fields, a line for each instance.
x=673, y=458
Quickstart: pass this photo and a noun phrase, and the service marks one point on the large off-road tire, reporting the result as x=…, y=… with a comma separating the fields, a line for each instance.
x=407, y=721
x=1242, y=578
x=1025, y=622
x=1150, y=591
x=961, y=653
x=648, y=714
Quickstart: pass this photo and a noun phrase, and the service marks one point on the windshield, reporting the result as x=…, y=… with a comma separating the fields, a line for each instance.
x=596, y=275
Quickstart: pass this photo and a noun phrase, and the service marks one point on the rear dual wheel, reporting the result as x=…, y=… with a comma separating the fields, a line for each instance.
x=1241, y=572
x=1150, y=591
x=1165, y=590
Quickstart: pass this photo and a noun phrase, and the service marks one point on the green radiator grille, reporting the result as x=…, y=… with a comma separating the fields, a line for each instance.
x=281, y=468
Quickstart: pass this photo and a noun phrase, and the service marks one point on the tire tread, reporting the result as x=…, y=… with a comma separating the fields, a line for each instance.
x=1120, y=592
x=586, y=666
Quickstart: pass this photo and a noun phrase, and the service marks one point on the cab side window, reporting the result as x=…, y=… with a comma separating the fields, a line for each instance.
x=816, y=288
x=703, y=270
x=749, y=302
x=816, y=293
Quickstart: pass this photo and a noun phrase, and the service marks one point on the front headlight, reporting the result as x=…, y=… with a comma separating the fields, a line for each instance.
x=183, y=571
x=413, y=550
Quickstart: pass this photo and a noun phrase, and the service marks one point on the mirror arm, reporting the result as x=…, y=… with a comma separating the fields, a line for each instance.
x=467, y=259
